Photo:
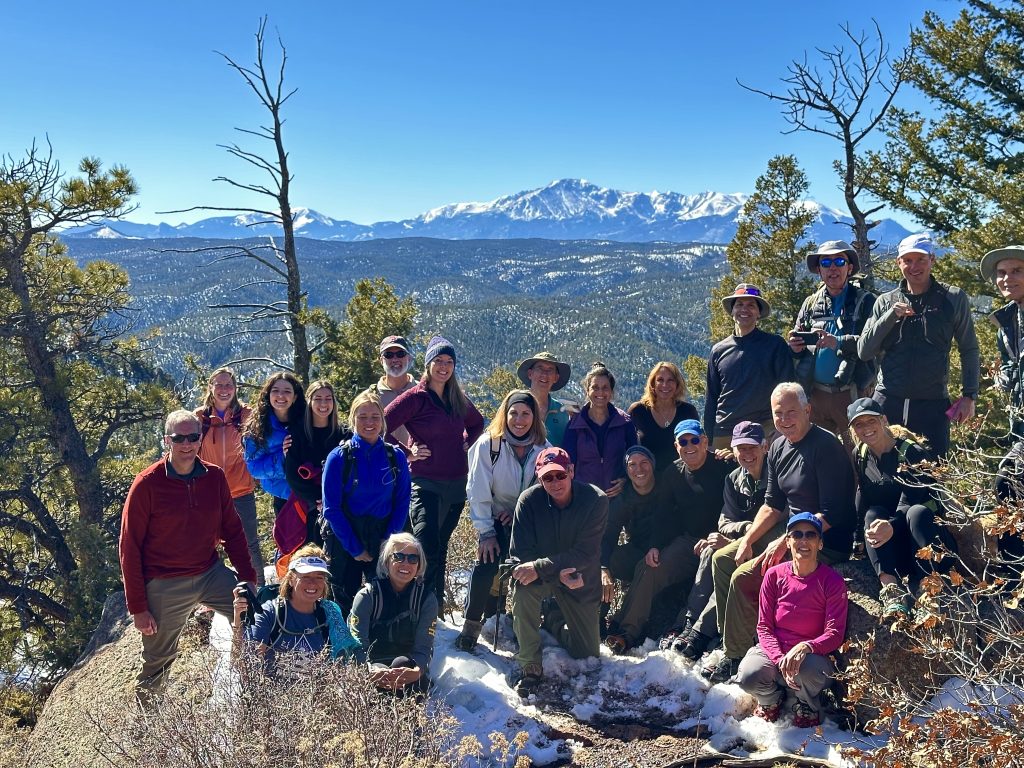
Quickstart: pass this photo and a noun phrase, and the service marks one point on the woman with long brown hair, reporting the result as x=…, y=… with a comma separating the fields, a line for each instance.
x=278, y=409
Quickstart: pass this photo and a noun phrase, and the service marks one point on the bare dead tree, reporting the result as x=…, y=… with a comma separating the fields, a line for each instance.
x=845, y=98
x=276, y=259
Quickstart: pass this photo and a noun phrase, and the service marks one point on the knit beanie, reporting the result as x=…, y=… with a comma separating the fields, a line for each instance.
x=438, y=345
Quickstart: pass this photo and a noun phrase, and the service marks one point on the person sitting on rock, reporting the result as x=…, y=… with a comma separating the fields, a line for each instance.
x=898, y=504
x=801, y=620
x=690, y=501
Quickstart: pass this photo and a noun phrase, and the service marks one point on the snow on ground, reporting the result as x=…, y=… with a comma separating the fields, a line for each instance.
x=648, y=687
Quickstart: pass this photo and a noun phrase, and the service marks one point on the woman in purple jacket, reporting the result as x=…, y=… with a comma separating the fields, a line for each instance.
x=442, y=424
x=598, y=436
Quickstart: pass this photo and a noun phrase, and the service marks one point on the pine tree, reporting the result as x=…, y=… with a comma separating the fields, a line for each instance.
x=961, y=171
x=769, y=249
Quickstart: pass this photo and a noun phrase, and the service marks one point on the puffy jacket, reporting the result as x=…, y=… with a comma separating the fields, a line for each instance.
x=266, y=462
x=222, y=446
x=594, y=464
x=816, y=313
x=494, y=485
x=1011, y=352
x=913, y=352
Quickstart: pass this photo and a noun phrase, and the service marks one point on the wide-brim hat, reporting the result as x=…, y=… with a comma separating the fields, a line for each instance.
x=990, y=259
x=832, y=248
x=752, y=291
x=545, y=357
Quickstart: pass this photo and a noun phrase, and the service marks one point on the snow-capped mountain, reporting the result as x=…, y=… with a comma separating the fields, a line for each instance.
x=568, y=209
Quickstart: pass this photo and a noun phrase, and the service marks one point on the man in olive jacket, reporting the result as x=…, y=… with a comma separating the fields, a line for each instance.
x=556, y=541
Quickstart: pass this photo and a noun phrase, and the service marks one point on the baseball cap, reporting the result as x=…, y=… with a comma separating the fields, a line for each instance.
x=309, y=564
x=920, y=243
x=688, y=427
x=747, y=433
x=865, y=406
x=552, y=460
x=804, y=517
x=395, y=341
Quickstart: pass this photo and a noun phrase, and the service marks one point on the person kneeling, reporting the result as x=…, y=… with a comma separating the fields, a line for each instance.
x=393, y=617
x=300, y=621
x=802, y=620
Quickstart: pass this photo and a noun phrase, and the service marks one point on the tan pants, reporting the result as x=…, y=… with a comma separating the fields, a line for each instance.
x=171, y=601
x=828, y=411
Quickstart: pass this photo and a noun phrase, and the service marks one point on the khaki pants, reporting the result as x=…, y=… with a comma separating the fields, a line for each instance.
x=579, y=633
x=171, y=601
x=762, y=679
x=828, y=411
x=678, y=565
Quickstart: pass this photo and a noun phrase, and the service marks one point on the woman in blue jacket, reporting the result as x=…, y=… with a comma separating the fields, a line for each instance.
x=366, y=490
x=265, y=436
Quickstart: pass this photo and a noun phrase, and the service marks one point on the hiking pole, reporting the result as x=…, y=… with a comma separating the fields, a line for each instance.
x=504, y=574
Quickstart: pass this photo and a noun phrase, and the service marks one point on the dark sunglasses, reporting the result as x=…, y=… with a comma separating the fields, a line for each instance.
x=406, y=557
x=690, y=441
x=391, y=354
x=194, y=437
x=828, y=261
x=809, y=535
x=554, y=477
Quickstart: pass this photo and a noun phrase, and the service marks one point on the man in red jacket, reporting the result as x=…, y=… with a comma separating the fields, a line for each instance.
x=177, y=511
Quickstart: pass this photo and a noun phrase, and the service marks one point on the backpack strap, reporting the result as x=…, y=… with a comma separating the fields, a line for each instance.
x=205, y=421
x=279, y=618
x=389, y=449
x=495, y=450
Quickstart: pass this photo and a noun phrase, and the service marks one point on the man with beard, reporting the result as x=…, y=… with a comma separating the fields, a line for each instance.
x=396, y=358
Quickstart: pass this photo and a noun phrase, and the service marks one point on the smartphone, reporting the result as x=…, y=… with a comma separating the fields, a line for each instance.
x=807, y=337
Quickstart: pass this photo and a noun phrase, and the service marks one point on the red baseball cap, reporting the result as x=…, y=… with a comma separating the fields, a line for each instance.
x=551, y=460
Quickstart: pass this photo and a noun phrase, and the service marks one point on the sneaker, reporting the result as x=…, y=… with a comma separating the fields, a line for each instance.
x=466, y=641
x=896, y=602
x=722, y=672
x=694, y=646
x=525, y=680
x=804, y=716
x=769, y=712
x=618, y=643
x=668, y=640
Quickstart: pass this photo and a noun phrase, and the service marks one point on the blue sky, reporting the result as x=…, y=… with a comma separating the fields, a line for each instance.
x=406, y=106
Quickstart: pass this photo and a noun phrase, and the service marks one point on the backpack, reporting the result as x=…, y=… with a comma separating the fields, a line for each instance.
x=348, y=464
x=206, y=420
x=415, y=600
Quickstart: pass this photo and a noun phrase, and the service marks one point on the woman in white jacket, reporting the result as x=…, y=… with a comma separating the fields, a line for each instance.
x=501, y=466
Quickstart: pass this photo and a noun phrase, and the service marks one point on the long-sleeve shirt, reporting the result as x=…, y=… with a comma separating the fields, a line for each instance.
x=306, y=451
x=884, y=483
x=222, y=445
x=171, y=526
x=659, y=439
x=691, y=501
x=742, y=496
x=742, y=372
x=794, y=609
x=394, y=633
x=553, y=538
x=634, y=512
x=371, y=491
x=266, y=462
x=914, y=351
x=815, y=475
x=598, y=451
x=430, y=423
x=495, y=485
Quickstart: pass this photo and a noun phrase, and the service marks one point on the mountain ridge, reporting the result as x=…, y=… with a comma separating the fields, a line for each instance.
x=563, y=209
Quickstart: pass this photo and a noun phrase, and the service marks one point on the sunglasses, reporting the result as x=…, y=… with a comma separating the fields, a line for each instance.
x=554, y=477
x=827, y=261
x=690, y=441
x=406, y=557
x=391, y=354
x=797, y=535
x=194, y=437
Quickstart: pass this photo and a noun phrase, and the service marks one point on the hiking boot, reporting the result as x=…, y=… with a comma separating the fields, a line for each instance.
x=525, y=680
x=805, y=716
x=694, y=646
x=722, y=672
x=769, y=712
x=896, y=602
x=668, y=640
x=618, y=643
x=466, y=641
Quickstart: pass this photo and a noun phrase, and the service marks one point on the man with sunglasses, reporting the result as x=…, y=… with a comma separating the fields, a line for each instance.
x=176, y=512
x=556, y=543
x=396, y=358
x=911, y=332
x=828, y=367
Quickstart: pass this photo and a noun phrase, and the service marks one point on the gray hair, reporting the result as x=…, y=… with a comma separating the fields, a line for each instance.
x=395, y=541
x=790, y=388
x=180, y=416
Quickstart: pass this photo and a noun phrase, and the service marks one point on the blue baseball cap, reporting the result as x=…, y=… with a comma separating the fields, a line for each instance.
x=804, y=517
x=688, y=427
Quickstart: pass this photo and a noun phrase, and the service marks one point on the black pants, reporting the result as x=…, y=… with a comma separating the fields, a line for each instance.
x=347, y=573
x=912, y=528
x=480, y=602
x=925, y=417
x=1010, y=490
x=433, y=513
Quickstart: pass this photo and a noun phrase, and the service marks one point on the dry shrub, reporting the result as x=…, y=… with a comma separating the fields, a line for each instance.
x=968, y=624
x=329, y=716
x=462, y=552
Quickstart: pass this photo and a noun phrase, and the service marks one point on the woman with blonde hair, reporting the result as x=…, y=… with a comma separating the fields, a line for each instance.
x=662, y=406
x=221, y=417
x=442, y=424
x=366, y=490
x=501, y=467
x=393, y=617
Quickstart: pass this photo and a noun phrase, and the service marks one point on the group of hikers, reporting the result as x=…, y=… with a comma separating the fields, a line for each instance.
x=588, y=516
